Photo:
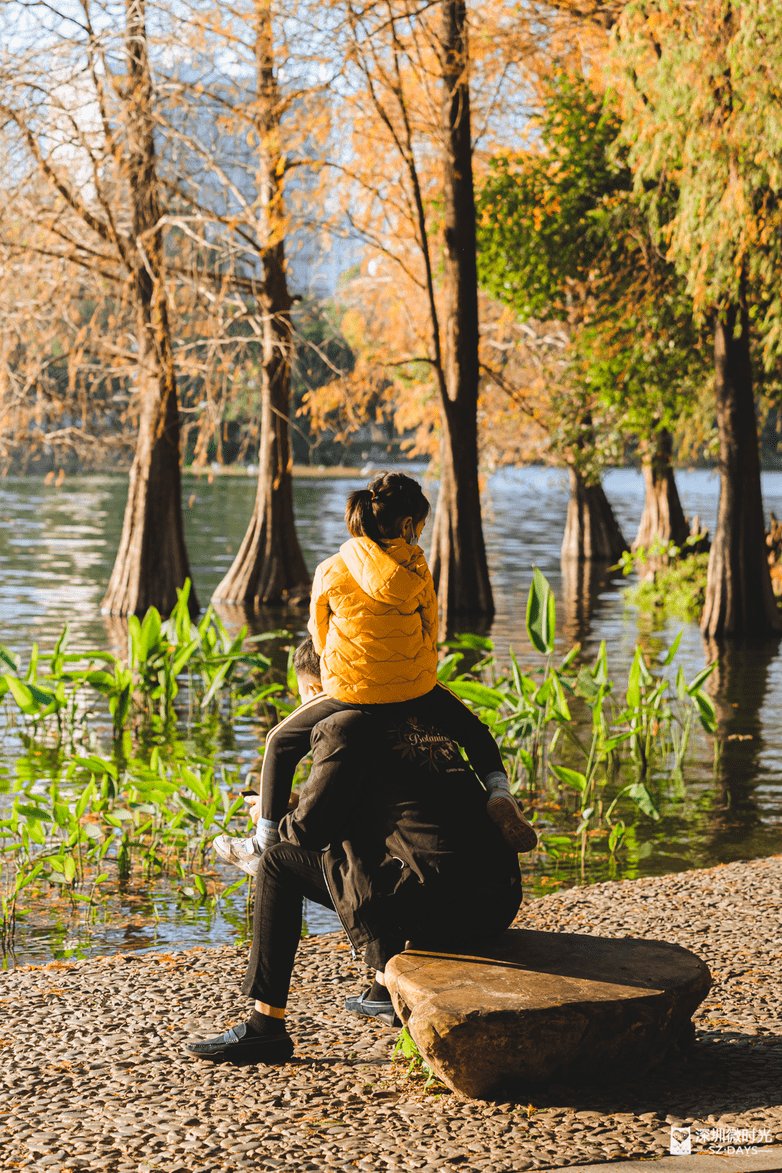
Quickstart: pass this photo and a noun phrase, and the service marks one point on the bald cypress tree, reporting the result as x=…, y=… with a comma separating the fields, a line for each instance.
x=704, y=125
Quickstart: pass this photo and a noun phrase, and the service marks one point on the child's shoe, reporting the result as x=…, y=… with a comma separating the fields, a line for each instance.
x=518, y=833
x=503, y=809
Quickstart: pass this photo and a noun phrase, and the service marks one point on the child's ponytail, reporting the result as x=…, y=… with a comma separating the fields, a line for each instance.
x=360, y=516
x=378, y=511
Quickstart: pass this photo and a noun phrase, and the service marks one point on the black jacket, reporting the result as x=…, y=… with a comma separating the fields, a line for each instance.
x=410, y=853
x=288, y=742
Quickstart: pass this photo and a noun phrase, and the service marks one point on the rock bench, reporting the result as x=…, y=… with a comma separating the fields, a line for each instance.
x=537, y=1007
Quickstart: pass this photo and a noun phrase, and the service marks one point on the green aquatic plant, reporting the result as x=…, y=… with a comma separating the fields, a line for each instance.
x=85, y=818
x=155, y=818
x=162, y=655
x=632, y=729
x=588, y=752
x=671, y=579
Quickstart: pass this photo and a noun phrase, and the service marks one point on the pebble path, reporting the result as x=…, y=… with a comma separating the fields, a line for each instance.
x=94, y=1077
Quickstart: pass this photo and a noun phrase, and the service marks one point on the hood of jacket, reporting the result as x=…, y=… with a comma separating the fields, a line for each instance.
x=393, y=575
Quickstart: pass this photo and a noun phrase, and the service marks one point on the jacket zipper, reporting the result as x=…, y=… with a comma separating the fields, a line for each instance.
x=353, y=950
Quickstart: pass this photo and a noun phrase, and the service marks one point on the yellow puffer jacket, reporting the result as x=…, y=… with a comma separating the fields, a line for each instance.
x=373, y=620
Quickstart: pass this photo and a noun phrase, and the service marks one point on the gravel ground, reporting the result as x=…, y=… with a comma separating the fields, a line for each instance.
x=94, y=1076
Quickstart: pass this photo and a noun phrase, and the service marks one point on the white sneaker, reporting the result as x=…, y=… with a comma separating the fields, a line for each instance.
x=242, y=853
x=505, y=811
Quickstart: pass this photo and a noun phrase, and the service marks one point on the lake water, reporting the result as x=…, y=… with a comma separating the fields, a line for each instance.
x=57, y=546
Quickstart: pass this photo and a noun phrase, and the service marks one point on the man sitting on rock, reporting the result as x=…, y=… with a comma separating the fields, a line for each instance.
x=391, y=831
x=288, y=742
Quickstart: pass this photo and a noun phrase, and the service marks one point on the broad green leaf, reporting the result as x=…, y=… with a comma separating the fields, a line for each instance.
x=237, y=884
x=478, y=643
x=21, y=693
x=197, y=784
x=62, y=816
x=673, y=649
x=447, y=666
x=696, y=683
x=9, y=658
x=134, y=639
x=570, y=657
x=600, y=670
x=69, y=868
x=681, y=685
x=180, y=616
x=155, y=789
x=634, y=682
x=84, y=799
x=35, y=812
x=220, y=675
x=560, y=707
x=586, y=686
x=36, y=831
x=111, y=819
x=616, y=836
x=706, y=712
x=149, y=634
x=643, y=799
x=526, y=760
x=517, y=673
x=97, y=765
x=477, y=694
x=612, y=742
x=182, y=657
x=569, y=777
x=31, y=875
x=195, y=808
x=540, y=614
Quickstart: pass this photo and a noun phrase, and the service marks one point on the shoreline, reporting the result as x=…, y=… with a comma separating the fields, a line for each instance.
x=95, y=1077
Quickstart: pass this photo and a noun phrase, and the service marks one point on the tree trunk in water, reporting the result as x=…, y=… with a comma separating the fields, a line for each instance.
x=592, y=533
x=152, y=558
x=458, y=555
x=662, y=520
x=739, y=599
x=269, y=567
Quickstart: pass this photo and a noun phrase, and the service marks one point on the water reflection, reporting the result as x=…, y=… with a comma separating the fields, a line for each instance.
x=739, y=686
x=57, y=546
x=582, y=585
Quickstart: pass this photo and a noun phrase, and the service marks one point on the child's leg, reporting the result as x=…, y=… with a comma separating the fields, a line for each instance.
x=443, y=709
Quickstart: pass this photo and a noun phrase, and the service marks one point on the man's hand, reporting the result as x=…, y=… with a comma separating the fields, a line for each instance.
x=254, y=803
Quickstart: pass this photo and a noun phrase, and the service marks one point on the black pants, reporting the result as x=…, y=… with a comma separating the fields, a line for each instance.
x=286, y=875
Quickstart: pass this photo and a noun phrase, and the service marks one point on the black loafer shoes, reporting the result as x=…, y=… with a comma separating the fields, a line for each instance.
x=383, y=1011
x=238, y=1043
